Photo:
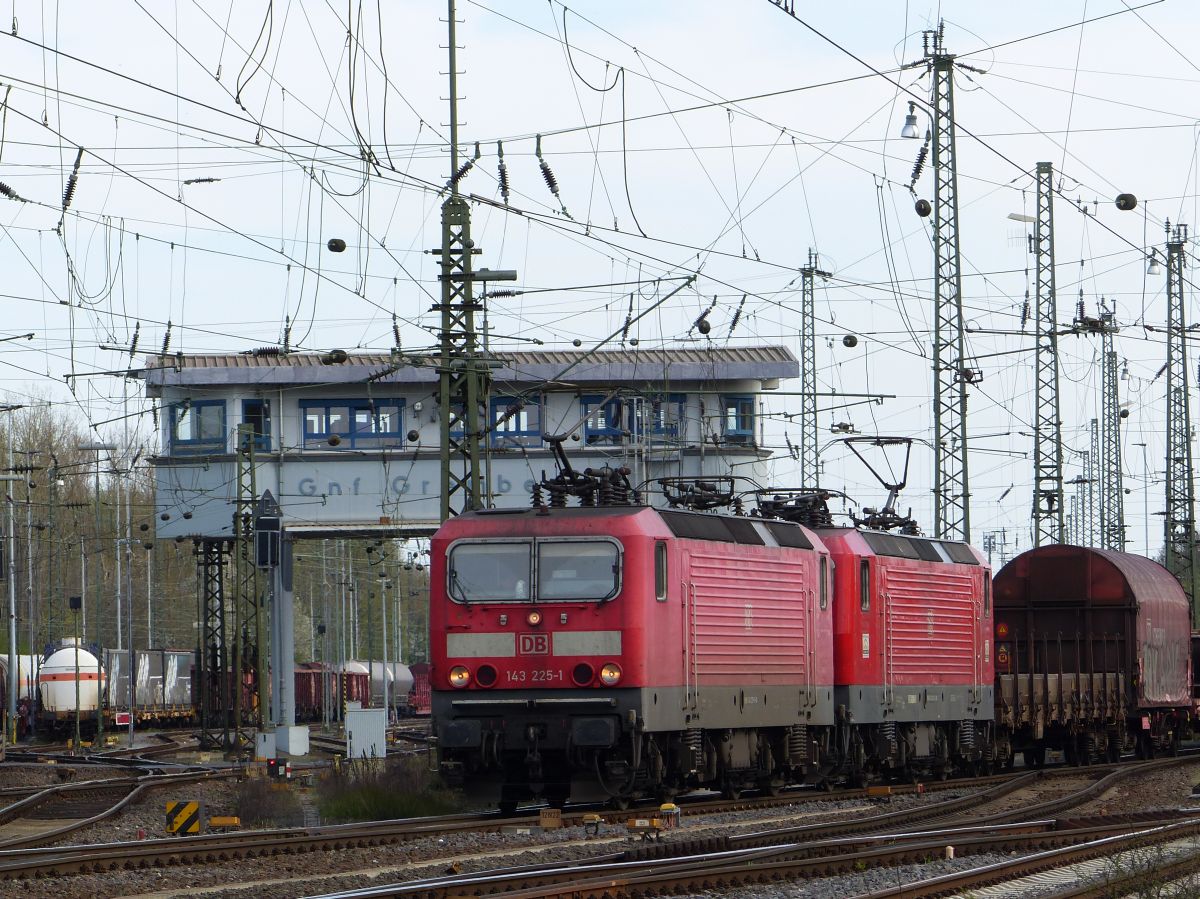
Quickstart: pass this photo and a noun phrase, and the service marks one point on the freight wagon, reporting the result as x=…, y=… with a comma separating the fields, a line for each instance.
x=1092, y=654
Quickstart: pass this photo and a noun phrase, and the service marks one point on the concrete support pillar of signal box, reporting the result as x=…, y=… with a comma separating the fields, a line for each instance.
x=289, y=739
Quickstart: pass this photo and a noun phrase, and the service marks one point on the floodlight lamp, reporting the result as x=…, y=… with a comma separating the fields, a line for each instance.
x=910, y=123
x=1154, y=268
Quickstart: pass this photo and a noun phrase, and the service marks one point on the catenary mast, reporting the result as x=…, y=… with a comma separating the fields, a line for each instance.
x=1047, y=421
x=1180, y=529
x=462, y=375
x=951, y=374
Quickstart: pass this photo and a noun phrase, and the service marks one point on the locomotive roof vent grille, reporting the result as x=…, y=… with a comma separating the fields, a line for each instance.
x=902, y=547
x=720, y=528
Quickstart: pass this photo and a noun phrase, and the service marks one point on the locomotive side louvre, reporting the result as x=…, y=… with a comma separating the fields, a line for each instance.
x=1092, y=654
x=760, y=645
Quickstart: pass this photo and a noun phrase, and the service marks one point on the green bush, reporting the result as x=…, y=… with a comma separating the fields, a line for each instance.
x=374, y=790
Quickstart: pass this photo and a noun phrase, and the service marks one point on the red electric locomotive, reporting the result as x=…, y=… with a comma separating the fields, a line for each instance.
x=619, y=650
x=913, y=651
x=913, y=666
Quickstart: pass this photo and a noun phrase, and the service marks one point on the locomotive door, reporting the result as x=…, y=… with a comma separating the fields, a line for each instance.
x=884, y=611
x=979, y=608
x=687, y=629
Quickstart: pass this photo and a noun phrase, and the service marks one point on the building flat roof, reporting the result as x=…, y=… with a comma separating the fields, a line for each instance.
x=565, y=368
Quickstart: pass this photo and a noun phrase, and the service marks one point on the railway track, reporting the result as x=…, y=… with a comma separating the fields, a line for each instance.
x=821, y=850
x=56, y=811
x=56, y=861
x=617, y=875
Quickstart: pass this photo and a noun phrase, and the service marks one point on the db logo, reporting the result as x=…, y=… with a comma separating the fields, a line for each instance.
x=534, y=644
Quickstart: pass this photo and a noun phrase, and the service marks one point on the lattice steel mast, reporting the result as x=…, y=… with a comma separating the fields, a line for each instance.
x=1047, y=420
x=213, y=656
x=1112, y=502
x=463, y=380
x=1180, y=521
x=249, y=646
x=1091, y=487
x=809, y=475
x=951, y=495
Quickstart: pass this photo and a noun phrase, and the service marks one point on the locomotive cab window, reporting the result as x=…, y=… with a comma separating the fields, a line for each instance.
x=864, y=585
x=660, y=571
x=489, y=572
x=987, y=591
x=824, y=582
x=577, y=569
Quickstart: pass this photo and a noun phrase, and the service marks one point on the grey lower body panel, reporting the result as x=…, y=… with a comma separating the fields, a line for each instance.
x=653, y=710
x=868, y=704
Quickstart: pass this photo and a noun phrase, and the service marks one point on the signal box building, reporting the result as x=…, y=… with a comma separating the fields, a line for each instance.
x=353, y=445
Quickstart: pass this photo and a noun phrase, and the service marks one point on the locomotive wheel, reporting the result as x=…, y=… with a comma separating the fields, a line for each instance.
x=620, y=803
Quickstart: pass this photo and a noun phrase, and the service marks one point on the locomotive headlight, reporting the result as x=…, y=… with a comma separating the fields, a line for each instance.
x=610, y=674
x=459, y=677
x=534, y=618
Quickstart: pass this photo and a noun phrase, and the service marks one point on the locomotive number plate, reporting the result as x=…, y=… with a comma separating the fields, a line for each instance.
x=533, y=644
x=537, y=676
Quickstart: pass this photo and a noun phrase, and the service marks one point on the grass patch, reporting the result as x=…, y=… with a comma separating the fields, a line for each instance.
x=376, y=790
x=260, y=803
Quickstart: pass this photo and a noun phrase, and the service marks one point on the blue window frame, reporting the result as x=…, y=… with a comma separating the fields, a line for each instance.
x=352, y=424
x=662, y=416
x=606, y=422
x=257, y=413
x=611, y=421
x=739, y=419
x=516, y=422
x=197, y=427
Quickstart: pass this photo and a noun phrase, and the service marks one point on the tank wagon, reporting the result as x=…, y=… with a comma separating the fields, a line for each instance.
x=70, y=675
x=1092, y=655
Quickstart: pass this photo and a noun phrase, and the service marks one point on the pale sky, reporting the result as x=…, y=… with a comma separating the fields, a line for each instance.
x=749, y=137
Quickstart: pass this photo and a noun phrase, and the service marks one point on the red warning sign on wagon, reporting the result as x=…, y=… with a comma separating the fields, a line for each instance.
x=1001, y=629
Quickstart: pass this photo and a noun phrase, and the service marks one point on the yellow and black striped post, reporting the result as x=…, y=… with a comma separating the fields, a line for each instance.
x=184, y=817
